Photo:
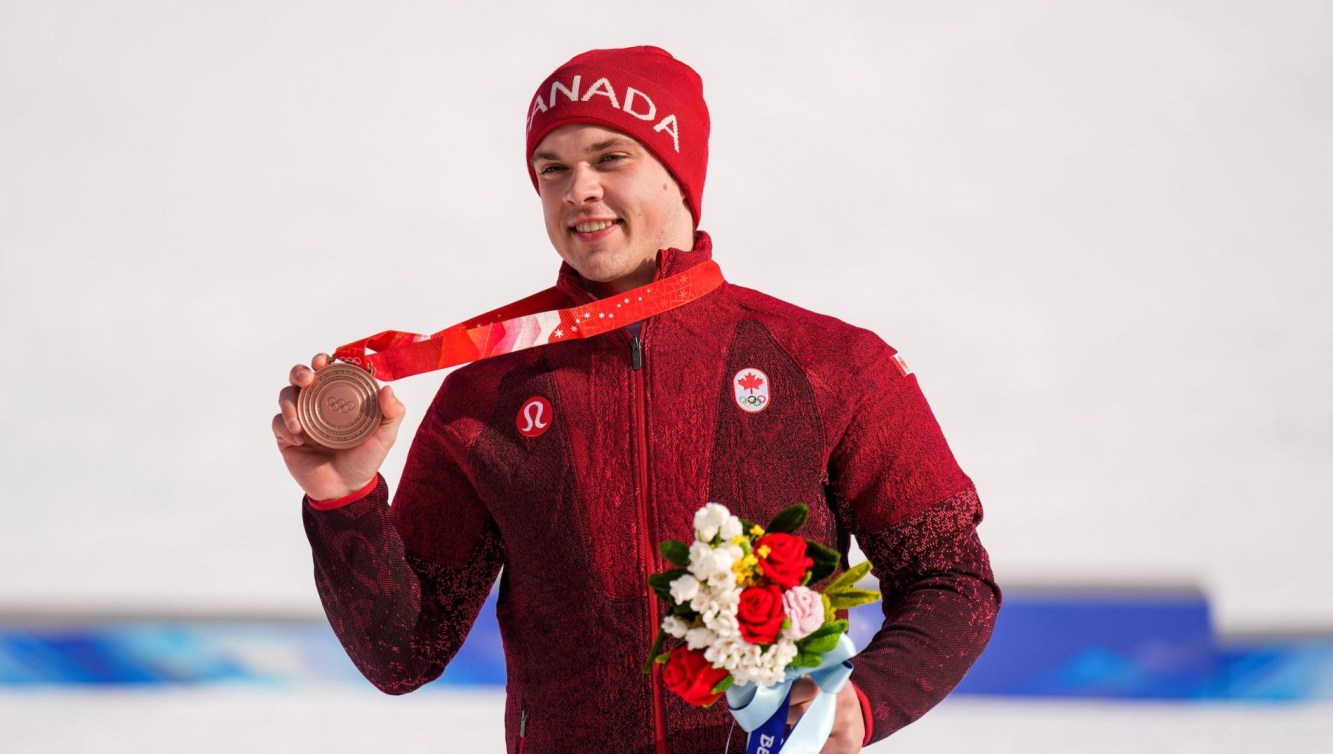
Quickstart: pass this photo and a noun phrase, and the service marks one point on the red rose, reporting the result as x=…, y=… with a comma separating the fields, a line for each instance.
x=691, y=677
x=761, y=613
x=786, y=563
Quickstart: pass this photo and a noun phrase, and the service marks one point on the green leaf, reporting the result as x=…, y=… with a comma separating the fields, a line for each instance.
x=724, y=684
x=826, y=560
x=789, y=519
x=661, y=583
x=850, y=598
x=848, y=579
x=652, y=653
x=833, y=628
x=684, y=611
x=821, y=644
x=675, y=552
x=807, y=660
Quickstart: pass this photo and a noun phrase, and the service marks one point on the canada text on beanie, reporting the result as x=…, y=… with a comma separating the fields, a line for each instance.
x=639, y=91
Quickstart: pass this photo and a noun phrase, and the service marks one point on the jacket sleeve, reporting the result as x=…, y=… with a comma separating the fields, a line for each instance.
x=402, y=584
x=896, y=486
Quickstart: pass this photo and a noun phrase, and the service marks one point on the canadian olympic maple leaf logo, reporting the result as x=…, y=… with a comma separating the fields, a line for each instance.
x=750, y=382
x=750, y=388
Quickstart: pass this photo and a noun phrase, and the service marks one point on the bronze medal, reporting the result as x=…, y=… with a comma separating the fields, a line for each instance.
x=341, y=408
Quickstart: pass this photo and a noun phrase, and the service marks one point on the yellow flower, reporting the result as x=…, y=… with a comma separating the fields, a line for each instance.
x=745, y=570
x=763, y=551
x=757, y=531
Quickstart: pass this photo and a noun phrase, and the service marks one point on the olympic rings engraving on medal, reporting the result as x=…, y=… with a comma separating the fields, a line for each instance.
x=340, y=408
x=341, y=405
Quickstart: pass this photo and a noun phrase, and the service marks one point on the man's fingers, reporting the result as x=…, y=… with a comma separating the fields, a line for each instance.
x=299, y=377
x=803, y=690
x=287, y=407
x=281, y=433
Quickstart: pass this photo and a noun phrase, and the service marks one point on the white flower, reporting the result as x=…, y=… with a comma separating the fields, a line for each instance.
x=709, y=519
x=723, y=623
x=675, y=626
x=684, y=588
x=733, y=551
x=699, y=638
x=706, y=561
x=734, y=654
x=730, y=528
x=784, y=652
x=722, y=581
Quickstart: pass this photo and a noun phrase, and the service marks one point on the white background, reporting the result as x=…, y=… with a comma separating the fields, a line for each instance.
x=1099, y=233
x=338, y=720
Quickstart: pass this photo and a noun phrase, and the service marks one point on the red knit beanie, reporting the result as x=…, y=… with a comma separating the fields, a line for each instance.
x=639, y=91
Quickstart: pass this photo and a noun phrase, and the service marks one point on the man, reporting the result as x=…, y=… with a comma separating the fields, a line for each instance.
x=735, y=397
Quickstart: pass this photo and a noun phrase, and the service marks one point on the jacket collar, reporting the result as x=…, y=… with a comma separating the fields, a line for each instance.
x=669, y=262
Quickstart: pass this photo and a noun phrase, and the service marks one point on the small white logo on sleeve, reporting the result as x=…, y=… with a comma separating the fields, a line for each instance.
x=535, y=417
x=751, y=388
x=901, y=363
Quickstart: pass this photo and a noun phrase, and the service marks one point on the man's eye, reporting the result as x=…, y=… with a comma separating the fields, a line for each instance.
x=550, y=169
x=612, y=157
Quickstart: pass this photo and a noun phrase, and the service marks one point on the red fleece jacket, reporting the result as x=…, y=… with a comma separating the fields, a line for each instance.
x=574, y=515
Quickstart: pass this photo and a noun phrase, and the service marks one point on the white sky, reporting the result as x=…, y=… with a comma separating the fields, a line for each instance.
x=1098, y=232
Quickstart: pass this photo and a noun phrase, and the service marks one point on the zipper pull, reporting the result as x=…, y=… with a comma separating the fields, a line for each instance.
x=523, y=724
x=636, y=352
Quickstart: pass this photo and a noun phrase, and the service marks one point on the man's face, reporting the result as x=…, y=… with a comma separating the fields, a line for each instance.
x=610, y=205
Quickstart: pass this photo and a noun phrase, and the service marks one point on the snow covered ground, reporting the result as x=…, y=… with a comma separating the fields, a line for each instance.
x=331, y=721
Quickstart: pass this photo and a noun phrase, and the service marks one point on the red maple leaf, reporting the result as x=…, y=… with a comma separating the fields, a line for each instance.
x=750, y=381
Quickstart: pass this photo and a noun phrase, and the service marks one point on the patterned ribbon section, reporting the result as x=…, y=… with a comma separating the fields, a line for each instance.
x=532, y=321
x=761, y=711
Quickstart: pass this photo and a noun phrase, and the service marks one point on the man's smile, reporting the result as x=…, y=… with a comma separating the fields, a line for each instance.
x=593, y=230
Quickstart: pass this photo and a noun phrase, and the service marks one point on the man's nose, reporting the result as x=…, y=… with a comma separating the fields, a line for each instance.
x=585, y=185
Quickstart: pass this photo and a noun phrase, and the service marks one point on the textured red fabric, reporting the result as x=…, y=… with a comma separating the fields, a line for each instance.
x=844, y=431
x=641, y=91
x=338, y=502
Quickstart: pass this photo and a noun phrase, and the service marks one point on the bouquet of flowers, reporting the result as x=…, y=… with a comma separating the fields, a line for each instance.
x=741, y=600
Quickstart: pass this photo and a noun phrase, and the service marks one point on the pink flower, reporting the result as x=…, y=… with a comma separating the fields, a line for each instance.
x=805, y=609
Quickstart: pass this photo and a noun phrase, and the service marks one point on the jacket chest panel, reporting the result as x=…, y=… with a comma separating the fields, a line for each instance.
x=772, y=455
x=709, y=442
x=562, y=487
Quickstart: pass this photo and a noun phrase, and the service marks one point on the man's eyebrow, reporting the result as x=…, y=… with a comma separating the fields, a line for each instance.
x=615, y=141
x=600, y=146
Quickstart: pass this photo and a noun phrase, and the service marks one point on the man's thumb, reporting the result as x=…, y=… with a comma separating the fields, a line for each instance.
x=392, y=408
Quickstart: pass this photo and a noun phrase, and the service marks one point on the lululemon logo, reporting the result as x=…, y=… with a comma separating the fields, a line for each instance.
x=750, y=387
x=535, y=417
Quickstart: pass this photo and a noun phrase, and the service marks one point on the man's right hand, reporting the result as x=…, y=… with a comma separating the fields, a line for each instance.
x=327, y=474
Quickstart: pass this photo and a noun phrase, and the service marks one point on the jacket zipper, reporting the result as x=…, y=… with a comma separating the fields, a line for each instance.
x=522, y=729
x=641, y=430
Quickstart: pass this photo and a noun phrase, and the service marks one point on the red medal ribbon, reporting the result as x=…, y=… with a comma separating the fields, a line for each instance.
x=526, y=323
